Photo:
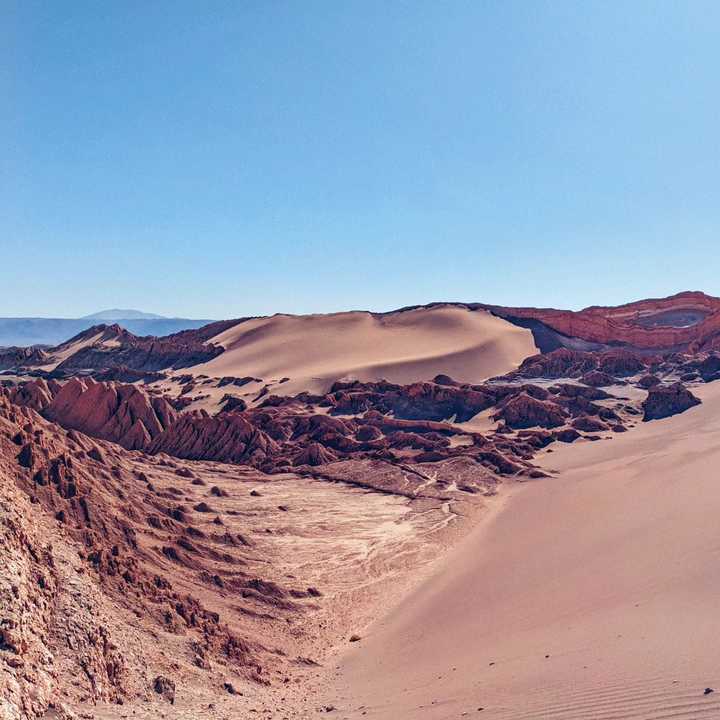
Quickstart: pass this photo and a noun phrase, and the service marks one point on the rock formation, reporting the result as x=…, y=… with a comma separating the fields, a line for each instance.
x=109, y=411
x=104, y=347
x=688, y=320
x=78, y=583
x=666, y=400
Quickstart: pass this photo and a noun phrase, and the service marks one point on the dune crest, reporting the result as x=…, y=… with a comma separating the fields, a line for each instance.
x=316, y=350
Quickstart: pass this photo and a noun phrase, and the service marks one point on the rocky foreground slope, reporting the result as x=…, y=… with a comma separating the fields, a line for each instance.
x=100, y=555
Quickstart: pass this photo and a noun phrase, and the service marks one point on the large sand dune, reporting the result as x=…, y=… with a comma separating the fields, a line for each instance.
x=316, y=350
x=593, y=594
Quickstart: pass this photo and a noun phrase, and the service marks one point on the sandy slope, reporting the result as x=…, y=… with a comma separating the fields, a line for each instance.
x=64, y=351
x=315, y=350
x=590, y=595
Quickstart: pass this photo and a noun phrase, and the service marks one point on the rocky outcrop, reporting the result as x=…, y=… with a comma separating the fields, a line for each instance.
x=648, y=381
x=84, y=595
x=124, y=374
x=688, y=320
x=228, y=437
x=598, y=367
x=666, y=400
x=355, y=420
x=706, y=367
x=36, y=394
x=109, y=411
x=19, y=357
x=109, y=346
x=427, y=401
x=596, y=378
x=524, y=411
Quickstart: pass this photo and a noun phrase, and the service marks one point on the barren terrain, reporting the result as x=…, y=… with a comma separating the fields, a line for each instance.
x=436, y=512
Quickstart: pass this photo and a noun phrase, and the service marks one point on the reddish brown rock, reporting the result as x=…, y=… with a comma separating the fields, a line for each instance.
x=226, y=437
x=109, y=411
x=688, y=320
x=595, y=378
x=523, y=411
x=104, y=347
x=315, y=454
x=666, y=400
x=19, y=357
x=565, y=363
x=589, y=424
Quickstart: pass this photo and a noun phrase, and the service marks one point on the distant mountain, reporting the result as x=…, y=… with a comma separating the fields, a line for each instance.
x=118, y=314
x=53, y=331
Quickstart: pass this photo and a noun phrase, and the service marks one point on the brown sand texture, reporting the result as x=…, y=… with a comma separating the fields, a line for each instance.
x=316, y=350
x=590, y=594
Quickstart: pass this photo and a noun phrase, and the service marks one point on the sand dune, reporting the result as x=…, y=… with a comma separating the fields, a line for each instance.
x=589, y=595
x=315, y=350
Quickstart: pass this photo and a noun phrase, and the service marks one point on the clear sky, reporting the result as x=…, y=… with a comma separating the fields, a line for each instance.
x=220, y=159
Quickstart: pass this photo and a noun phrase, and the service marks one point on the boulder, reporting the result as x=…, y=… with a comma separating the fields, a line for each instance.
x=666, y=400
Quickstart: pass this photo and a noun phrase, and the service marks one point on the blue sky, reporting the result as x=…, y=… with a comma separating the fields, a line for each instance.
x=226, y=159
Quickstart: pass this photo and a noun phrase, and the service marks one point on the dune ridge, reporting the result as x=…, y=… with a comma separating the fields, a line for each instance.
x=316, y=350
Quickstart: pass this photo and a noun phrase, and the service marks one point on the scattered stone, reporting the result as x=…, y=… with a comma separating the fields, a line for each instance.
x=165, y=688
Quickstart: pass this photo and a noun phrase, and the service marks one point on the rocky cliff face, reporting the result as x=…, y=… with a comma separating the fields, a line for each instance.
x=689, y=320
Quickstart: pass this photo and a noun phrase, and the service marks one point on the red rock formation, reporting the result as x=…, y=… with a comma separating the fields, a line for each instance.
x=598, y=379
x=80, y=575
x=589, y=424
x=565, y=363
x=228, y=437
x=116, y=412
x=14, y=357
x=523, y=411
x=36, y=394
x=314, y=454
x=381, y=420
x=686, y=320
x=114, y=347
x=666, y=400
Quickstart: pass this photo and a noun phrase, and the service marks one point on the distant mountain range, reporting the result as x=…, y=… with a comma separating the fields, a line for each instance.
x=52, y=331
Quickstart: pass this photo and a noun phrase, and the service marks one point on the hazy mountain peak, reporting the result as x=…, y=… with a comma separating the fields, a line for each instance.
x=119, y=314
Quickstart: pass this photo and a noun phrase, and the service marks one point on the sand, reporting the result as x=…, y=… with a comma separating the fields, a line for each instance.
x=64, y=351
x=316, y=350
x=591, y=594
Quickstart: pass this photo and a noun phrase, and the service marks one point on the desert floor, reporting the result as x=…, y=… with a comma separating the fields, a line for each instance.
x=590, y=594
